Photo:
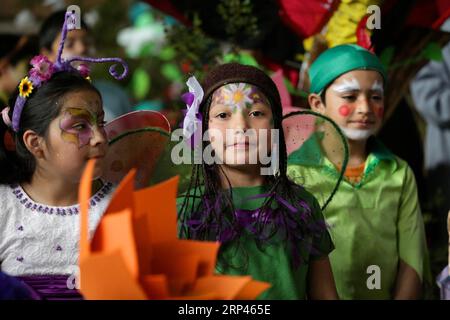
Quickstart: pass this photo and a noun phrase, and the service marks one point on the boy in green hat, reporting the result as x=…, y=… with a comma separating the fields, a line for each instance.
x=375, y=219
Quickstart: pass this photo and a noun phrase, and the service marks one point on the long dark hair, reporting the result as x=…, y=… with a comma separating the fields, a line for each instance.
x=207, y=201
x=42, y=106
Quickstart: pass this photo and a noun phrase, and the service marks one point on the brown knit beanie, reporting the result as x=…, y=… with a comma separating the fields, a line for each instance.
x=235, y=72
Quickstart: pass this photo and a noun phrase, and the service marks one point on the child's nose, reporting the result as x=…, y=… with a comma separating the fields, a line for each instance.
x=99, y=136
x=364, y=105
x=240, y=121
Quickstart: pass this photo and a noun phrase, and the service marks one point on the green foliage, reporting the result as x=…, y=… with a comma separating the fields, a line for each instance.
x=238, y=17
x=192, y=46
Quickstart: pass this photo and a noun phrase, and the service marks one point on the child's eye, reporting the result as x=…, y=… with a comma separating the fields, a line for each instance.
x=79, y=126
x=256, y=114
x=222, y=115
x=349, y=97
x=378, y=98
x=102, y=124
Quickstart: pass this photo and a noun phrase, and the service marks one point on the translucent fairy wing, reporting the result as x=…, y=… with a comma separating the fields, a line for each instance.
x=318, y=151
x=166, y=168
x=136, y=140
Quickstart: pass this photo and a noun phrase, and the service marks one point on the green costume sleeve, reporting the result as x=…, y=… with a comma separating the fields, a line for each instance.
x=410, y=226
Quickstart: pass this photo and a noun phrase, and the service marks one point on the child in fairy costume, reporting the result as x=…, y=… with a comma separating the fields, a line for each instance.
x=269, y=227
x=53, y=125
x=375, y=219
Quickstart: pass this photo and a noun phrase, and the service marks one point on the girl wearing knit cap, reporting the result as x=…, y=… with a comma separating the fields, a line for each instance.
x=268, y=227
x=375, y=219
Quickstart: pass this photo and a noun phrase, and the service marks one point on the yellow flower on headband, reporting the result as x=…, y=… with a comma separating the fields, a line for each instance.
x=88, y=79
x=25, y=87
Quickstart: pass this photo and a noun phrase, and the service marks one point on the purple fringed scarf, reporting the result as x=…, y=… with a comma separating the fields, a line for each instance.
x=297, y=227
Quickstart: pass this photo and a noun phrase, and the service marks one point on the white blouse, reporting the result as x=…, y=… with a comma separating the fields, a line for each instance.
x=36, y=239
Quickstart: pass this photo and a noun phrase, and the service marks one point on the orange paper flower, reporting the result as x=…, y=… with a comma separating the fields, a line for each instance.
x=135, y=252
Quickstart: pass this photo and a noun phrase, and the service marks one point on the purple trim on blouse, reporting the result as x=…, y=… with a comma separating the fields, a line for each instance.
x=49, y=287
x=23, y=198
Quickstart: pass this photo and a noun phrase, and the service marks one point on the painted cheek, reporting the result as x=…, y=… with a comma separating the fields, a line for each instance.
x=70, y=137
x=84, y=137
x=344, y=110
x=380, y=112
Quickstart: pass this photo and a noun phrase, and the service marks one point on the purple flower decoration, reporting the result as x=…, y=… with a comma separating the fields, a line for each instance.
x=83, y=69
x=43, y=68
x=188, y=98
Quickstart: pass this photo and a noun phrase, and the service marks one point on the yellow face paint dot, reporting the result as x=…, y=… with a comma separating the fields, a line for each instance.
x=238, y=97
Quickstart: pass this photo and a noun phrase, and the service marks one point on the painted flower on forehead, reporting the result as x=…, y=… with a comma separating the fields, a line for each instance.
x=237, y=94
x=43, y=68
x=25, y=87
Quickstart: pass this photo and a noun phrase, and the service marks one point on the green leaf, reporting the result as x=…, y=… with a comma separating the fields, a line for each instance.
x=433, y=51
x=140, y=83
x=242, y=58
x=386, y=56
x=167, y=53
x=171, y=72
x=144, y=19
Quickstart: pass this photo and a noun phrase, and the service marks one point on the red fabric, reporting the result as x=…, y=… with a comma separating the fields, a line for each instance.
x=306, y=17
x=425, y=13
x=167, y=7
x=291, y=74
x=363, y=34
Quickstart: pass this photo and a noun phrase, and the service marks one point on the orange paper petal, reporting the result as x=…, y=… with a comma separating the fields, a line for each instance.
x=106, y=277
x=252, y=290
x=156, y=286
x=115, y=232
x=225, y=287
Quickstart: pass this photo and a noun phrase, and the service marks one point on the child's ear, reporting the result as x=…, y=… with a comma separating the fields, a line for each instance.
x=316, y=104
x=34, y=143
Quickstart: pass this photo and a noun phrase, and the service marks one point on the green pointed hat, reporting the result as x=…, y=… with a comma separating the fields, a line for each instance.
x=341, y=59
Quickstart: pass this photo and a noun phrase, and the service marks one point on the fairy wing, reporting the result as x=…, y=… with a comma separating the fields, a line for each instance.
x=136, y=140
x=319, y=151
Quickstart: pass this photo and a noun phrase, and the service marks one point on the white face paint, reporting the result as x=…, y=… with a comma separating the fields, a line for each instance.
x=377, y=86
x=347, y=86
x=357, y=134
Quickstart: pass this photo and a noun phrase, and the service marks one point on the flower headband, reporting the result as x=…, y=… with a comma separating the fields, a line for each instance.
x=43, y=70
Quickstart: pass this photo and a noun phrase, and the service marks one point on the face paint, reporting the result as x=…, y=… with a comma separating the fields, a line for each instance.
x=77, y=126
x=344, y=110
x=379, y=112
x=346, y=86
x=357, y=134
x=377, y=86
x=239, y=96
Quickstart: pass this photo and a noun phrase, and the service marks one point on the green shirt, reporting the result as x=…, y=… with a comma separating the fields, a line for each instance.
x=273, y=263
x=376, y=222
